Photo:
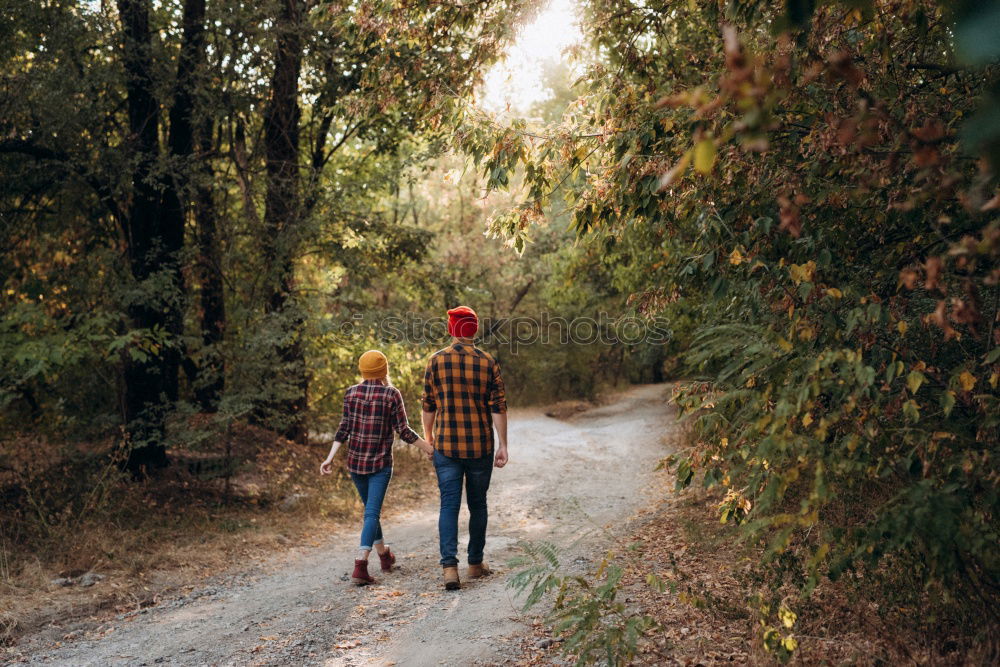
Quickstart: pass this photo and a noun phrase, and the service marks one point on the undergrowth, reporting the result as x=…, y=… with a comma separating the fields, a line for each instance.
x=78, y=512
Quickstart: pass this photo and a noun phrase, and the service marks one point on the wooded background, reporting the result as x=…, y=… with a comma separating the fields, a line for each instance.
x=197, y=195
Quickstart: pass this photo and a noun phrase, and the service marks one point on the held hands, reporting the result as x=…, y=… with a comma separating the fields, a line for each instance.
x=426, y=446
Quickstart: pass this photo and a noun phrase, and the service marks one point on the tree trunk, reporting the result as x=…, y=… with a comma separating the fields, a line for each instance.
x=282, y=212
x=153, y=241
x=210, y=375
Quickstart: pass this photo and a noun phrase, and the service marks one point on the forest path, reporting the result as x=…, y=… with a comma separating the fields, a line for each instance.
x=567, y=479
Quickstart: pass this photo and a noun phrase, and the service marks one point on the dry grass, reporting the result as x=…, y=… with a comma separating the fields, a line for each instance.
x=163, y=535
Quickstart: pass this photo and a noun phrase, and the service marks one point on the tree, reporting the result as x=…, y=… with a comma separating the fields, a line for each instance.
x=379, y=74
x=154, y=234
x=804, y=183
x=282, y=203
x=191, y=131
x=191, y=162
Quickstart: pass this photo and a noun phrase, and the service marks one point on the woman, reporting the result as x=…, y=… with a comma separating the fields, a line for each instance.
x=373, y=412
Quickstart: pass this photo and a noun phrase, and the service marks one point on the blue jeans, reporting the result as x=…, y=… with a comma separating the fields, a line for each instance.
x=477, y=473
x=372, y=488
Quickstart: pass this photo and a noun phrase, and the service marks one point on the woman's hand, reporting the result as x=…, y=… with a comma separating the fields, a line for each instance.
x=326, y=467
x=425, y=446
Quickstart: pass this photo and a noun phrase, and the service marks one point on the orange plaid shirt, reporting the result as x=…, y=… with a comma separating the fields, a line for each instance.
x=462, y=385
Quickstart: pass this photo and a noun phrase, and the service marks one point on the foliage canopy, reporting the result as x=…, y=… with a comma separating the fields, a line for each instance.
x=809, y=192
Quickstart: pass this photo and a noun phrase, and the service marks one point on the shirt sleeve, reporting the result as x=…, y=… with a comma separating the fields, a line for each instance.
x=344, y=431
x=428, y=401
x=400, y=424
x=498, y=397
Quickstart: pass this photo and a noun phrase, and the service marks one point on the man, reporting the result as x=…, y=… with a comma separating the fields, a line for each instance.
x=463, y=400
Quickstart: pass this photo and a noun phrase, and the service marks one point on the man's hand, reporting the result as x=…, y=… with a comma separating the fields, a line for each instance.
x=424, y=444
x=500, y=422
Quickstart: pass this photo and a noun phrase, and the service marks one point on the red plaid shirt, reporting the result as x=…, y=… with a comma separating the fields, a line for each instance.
x=372, y=412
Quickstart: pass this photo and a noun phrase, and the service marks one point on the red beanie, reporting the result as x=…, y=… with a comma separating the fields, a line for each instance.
x=462, y=322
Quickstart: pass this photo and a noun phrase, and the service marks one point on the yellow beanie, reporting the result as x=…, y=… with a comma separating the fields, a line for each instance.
x=373, y=365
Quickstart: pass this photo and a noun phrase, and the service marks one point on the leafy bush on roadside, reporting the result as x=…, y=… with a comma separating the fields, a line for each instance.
x=815, y=185
x=588, y=613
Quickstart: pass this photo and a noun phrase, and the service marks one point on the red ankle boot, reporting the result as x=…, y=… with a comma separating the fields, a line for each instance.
x=388, y=559
x=361, y=576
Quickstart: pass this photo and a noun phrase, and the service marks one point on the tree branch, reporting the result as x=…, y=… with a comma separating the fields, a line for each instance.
x=102, y=189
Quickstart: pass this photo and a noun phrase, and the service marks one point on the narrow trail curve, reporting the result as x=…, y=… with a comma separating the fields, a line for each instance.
x=566, y=480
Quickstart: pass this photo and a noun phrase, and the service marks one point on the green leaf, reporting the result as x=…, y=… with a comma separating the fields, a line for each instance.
x=684, y=473
x=914, y=380
x=947, y=402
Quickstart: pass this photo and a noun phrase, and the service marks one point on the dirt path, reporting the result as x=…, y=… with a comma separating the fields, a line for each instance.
x=566, y=478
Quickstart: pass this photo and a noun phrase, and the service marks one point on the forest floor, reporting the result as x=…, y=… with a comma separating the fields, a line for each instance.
x=573, y=481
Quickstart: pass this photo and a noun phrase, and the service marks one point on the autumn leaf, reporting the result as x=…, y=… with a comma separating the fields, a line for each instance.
x=914, y=380
x=787, y=616
x=932, y=269
x=789, y=218
x=967, y=380
x=704, y=156
x=802, y=272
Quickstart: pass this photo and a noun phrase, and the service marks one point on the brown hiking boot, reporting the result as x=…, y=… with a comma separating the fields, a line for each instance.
x=387, y=559
x=360, y=577
x=479, y=570
x=451, y=581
